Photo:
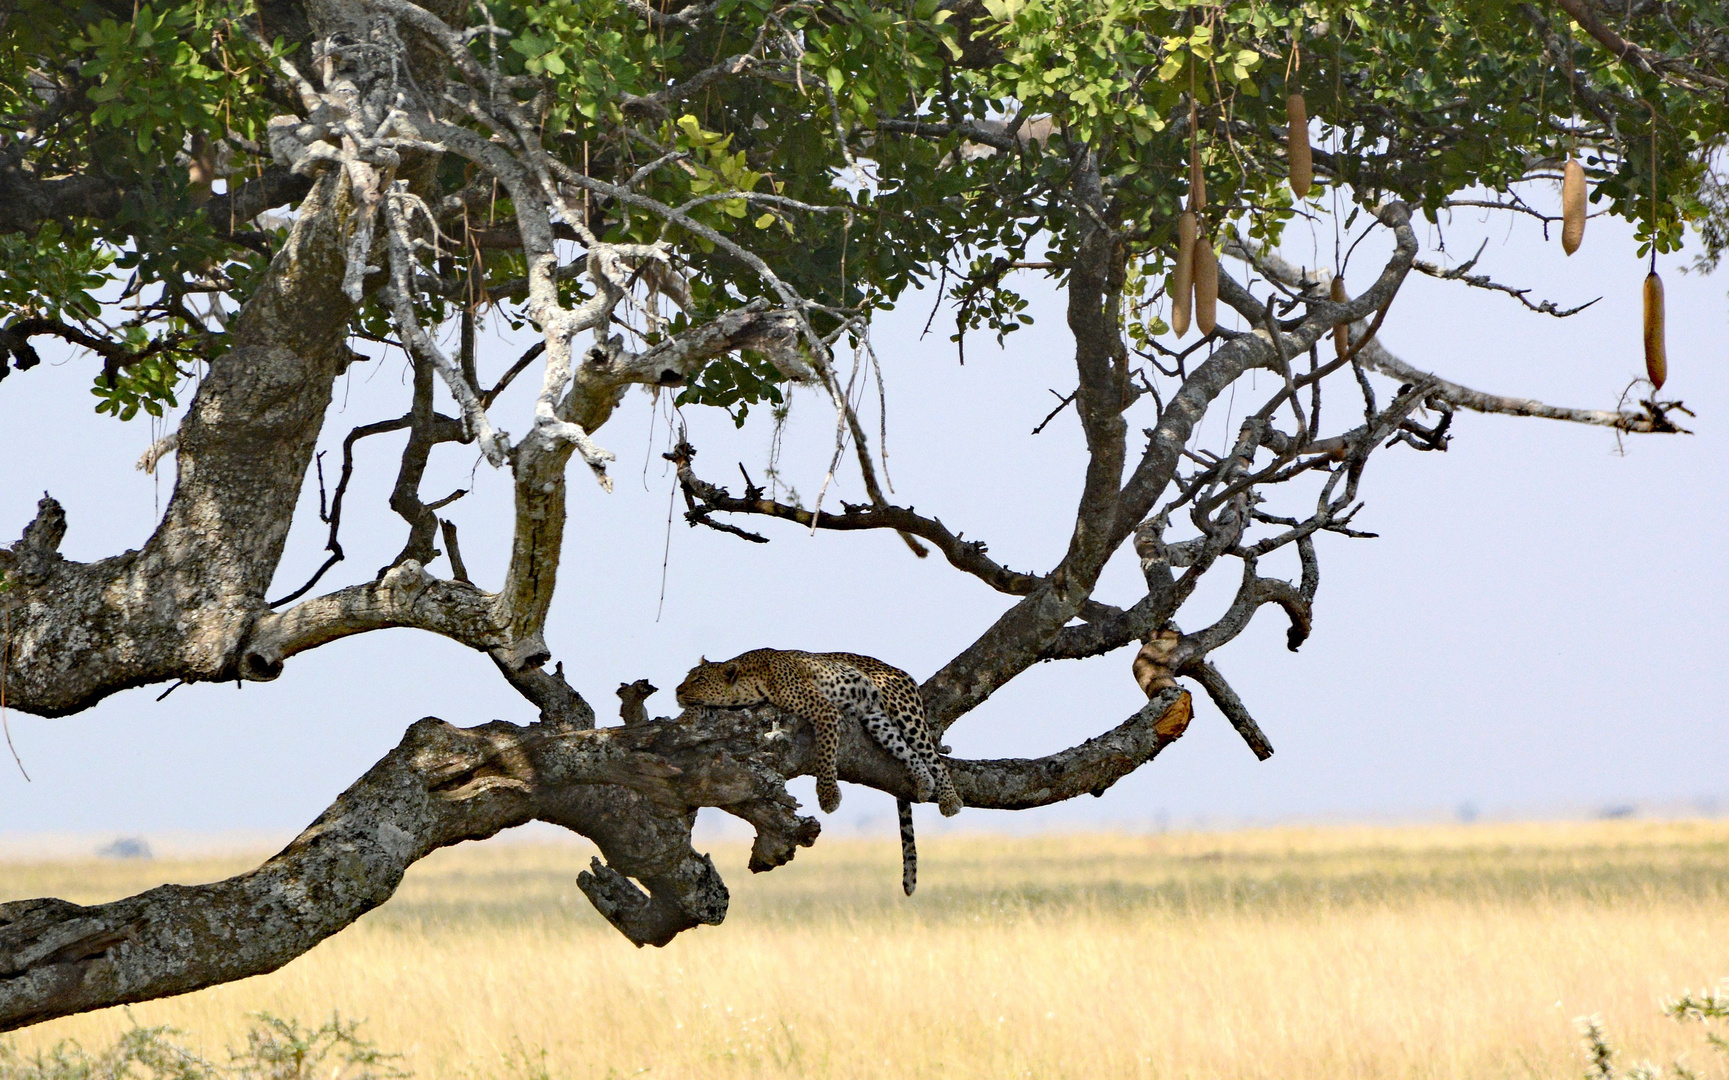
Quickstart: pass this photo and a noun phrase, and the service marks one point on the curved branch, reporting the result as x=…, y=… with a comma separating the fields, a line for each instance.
x=180, y=607
x=1087, y=769
x=406, y=596
x=632, y=790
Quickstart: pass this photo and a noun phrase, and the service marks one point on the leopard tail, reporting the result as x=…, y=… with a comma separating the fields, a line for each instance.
x=909, y=850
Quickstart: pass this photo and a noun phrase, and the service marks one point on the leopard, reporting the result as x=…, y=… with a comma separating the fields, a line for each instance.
x=820, y=687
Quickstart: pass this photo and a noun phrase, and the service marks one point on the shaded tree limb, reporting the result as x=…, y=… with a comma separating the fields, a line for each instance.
x=1678, y=72
x=633, y=790
x=243, y=452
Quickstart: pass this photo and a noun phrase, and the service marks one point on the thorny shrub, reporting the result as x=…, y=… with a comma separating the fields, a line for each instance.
x=275, y=1049
x=1706, y=1007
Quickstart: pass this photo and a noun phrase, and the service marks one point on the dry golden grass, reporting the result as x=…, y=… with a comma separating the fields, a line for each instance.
x=1359, y=952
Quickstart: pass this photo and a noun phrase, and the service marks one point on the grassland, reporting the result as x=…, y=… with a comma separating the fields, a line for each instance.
x=1291, y=953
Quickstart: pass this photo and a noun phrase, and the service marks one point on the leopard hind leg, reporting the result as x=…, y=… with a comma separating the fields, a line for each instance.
x=888, y=735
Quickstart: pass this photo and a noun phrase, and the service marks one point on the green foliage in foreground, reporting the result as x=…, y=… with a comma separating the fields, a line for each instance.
x=275, y=1049
x=278, y=1049
x=1420, y=101
x=1706, y=1007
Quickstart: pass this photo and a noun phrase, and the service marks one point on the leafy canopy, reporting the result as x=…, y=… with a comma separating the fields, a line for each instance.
x=1420, y=101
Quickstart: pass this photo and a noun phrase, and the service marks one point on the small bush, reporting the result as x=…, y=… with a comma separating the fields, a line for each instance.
x=275, y=1049
x=1706, y=1007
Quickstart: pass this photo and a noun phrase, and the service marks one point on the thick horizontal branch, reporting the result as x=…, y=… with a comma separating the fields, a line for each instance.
x=26, y=201
x=406, y=596
x=633, y=791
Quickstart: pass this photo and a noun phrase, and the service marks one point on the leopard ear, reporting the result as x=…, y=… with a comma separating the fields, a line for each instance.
x=702, y=659
x=731, y=673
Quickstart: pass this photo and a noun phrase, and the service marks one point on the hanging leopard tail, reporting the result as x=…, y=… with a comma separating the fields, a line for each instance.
x=909, y=849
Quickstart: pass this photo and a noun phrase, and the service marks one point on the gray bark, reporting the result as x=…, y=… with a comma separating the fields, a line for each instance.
x=633, y=790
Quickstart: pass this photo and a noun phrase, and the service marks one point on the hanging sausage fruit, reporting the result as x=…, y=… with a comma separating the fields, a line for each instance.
x=1341, y=332
x=1656, y=349
x=1572, y=205
x=1183, y=279
x=1297, y=152
x=1206, y=263
x=1656, y=352
x=1206, y=285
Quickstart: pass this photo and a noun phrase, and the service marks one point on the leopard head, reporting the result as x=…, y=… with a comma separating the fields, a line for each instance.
x=720, y=683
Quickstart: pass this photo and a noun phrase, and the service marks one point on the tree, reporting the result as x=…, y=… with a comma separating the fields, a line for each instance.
x=714, y=199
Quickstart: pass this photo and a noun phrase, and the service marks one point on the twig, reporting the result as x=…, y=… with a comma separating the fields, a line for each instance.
x=1061, y=405
x=335, y=519
x=1483, y=281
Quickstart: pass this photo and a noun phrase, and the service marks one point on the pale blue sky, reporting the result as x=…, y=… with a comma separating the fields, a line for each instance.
x=1540, y=628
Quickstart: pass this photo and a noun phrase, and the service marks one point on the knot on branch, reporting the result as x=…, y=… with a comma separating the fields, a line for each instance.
x=303, y=146
x=16, y=345
x=631, y=696
x=33, y=558
x=460, y=764
x=1654, y=417
x=407, y=580
x=700, y=897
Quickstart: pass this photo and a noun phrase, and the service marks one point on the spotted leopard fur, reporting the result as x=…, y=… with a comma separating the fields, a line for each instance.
x=821, y=687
